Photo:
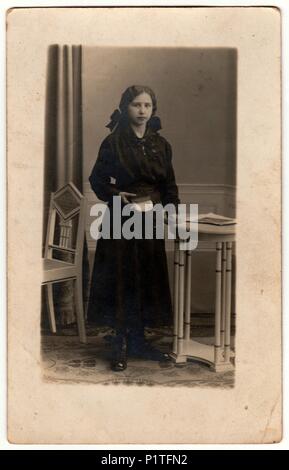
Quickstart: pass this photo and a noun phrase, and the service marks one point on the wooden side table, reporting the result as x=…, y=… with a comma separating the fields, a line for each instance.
x=184, y=347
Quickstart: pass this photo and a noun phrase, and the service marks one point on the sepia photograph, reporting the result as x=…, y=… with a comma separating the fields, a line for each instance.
x=145, y=243
x=150, y=126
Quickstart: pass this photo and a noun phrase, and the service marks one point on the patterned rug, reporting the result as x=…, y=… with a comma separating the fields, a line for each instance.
x=66, y=360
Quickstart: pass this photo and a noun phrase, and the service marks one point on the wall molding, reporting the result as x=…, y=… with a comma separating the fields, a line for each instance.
x=205, y=188
x=187, y=188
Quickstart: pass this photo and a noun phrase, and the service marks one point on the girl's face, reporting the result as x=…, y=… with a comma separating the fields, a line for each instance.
x=139, y=110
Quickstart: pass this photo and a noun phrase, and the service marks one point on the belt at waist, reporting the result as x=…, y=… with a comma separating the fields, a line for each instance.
x=144, y=190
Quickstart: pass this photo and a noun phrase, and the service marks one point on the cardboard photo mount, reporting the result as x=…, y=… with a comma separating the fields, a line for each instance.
x=40, y=412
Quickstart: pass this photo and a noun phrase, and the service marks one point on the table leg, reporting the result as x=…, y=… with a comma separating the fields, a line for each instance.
x=176, y=296
x=181, y=301
x=217, y=354
x=223, y=311
x=228, y=302
x=188, y=296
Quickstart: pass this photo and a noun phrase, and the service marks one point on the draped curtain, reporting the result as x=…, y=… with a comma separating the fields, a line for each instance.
x=63, y=148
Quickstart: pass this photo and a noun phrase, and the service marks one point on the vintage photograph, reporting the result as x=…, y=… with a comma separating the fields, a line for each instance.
x=131, y=129
x=144, y=225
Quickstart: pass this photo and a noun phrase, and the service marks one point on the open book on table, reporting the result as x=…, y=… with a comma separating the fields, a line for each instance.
x=214, y=219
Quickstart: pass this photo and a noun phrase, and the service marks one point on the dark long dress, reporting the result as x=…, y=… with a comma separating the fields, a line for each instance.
x=130, y=285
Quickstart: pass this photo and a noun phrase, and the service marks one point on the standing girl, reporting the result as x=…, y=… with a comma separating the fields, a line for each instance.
x=130, y=285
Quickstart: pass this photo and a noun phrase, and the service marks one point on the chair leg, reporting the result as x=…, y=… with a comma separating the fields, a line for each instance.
x=79, y=309
x=50, y=305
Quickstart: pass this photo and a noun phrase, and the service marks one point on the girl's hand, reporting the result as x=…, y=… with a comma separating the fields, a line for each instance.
x=125, y=197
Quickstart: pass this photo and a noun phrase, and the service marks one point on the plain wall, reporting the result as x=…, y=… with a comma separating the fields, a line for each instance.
x=196, y=92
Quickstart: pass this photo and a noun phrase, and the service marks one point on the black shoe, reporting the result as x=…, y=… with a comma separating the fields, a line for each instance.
x=119, y=359
x=140, y=348
x=118, y=365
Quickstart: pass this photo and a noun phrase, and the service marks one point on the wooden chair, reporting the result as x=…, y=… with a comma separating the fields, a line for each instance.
x=64, y=250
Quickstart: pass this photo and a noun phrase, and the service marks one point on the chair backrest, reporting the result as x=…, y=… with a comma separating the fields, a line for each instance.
x=65, y=228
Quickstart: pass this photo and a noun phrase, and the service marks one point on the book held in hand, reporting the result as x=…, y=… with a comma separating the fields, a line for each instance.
x=142, y=203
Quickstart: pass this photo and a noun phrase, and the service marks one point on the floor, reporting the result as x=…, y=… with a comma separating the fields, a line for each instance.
x=66, y=360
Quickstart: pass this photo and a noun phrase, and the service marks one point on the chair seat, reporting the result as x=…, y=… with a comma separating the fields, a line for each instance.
x=55, y=270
